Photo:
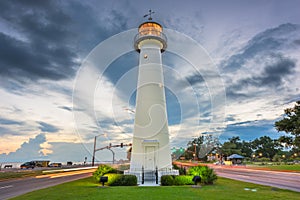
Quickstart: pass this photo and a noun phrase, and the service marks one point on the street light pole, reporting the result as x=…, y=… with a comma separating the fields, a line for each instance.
x=113, y=161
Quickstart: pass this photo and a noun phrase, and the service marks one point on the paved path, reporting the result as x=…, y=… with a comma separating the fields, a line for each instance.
x=16, y=187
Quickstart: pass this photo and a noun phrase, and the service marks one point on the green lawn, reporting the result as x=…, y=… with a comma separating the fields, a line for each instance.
x=223, y=189
x=295, y=167
x=20, y=174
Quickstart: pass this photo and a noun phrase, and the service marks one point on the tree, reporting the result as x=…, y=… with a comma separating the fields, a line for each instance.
x=204, y=145
x=235, y=146
x=266, y=147
x=191, y=147
x=291, y=125
x=231, y=147
x=246, y=149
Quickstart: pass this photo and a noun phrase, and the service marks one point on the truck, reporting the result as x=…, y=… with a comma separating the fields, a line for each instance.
x=35, y=163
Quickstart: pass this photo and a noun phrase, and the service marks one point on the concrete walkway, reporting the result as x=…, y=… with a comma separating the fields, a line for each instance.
x=149, y=183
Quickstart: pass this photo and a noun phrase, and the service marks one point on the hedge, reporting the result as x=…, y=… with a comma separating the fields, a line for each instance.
x=183, y=180
x=121, y=180
x=168, y=180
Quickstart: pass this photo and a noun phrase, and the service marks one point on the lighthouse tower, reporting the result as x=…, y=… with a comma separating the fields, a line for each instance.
x=150, y=146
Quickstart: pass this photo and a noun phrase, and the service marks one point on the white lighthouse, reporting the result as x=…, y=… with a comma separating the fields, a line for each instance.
x=150, y=146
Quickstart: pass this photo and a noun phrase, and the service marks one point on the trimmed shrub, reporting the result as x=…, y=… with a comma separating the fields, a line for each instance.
x=121, y=180
x=112, y=178
x=102, y=169
x=207, y=174
x=183, y=180
x=167, y=180
x=129, y=180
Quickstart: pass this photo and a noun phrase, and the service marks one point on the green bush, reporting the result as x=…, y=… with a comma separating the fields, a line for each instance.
x=102, y=169
x=207, y=174
x=196, y=171
x=183, y=180
x=112, y=178
x=167, y=180
x=121, y=180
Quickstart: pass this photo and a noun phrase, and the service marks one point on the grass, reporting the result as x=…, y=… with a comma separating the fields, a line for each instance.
x=19, y=174
x=87, y=189
x=295, y=167
x=5, y=175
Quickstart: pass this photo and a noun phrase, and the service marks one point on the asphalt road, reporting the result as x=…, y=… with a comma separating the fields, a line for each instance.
x=16, y=187
x=284, y=180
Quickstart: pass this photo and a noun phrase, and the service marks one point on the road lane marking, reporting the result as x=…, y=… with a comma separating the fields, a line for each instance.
x=68, y=173
x=7, y=186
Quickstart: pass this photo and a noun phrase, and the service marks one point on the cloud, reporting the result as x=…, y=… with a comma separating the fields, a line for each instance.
x=65, y=108
x=264, y=65
x=10, y=127
x=30, y=150
x=194, y=79
x=45, y=127
x=43, y=49
x=265, y=43
x=64, y=151
x=249, y=130
x=272, y=77
x=4, y=121
x=46, y=41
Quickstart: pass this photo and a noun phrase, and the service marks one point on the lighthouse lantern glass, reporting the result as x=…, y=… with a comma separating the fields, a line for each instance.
x=150, y=28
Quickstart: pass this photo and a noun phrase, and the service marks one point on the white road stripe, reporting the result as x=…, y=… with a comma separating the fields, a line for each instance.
x=7, y=186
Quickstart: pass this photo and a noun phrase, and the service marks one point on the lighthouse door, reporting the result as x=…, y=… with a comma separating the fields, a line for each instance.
x=150, y=158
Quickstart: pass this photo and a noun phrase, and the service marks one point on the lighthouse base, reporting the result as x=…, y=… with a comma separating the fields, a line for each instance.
x=150, y=177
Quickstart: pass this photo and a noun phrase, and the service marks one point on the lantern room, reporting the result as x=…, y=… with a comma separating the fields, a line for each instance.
x=150, y=28
x=150, y=31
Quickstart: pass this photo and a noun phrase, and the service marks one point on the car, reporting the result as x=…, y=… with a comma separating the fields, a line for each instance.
x=28, y=165
x=54, y=165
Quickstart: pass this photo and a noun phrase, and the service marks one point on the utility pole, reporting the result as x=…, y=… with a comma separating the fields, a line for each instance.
x=93, y=160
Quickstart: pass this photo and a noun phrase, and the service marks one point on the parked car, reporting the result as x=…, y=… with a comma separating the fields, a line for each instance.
x=54, y=165
x=28, y=165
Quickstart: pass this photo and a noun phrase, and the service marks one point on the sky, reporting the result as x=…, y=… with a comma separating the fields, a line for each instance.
x=231, y=68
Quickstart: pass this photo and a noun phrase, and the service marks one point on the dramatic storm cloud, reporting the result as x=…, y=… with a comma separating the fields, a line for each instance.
x=40, y=46
x=28, y=151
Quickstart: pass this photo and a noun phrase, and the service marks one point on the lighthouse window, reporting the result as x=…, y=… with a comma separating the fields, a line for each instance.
x=150, y=29
x=145, y=56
